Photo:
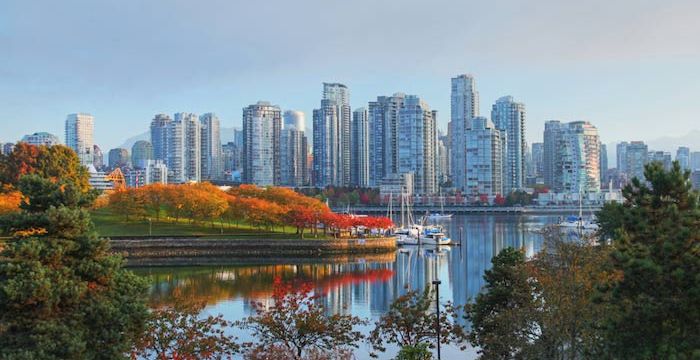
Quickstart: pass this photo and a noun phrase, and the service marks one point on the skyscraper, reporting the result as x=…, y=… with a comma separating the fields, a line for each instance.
x=622, y=157
x=443, y=162
x=603, y=164
x=98, y=158
x=464, y=105
x=538, y=159
x=141, y=154
x=695, y=160
x=41, y=139
x=484, y=157
x=662, y=157
x=331, y=137
x=360, y=148
x=262, y=125
x=683, y=157
x=79, y=136
x=118, y=158
x=159, y=136
x=636, y=156
x=294, y=150
x=509, y=116
x=383, y=145
x=418, y=137
x=192, y=145
x=211, y=147
x=572, y=155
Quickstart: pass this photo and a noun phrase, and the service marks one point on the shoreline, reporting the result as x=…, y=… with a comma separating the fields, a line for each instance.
x=187, y=251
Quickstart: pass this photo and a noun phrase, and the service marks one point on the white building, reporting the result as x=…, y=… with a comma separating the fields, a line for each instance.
x=80, y=136
x=262, y=125
x=417, y=136
x=294, y=150
x=484, y=158
x=331, y=137
x=509, y=117
x=464, y=106
x=360, y=148
x=212, y=167
x=41, y=139
x=383, y=144
x=572, y=154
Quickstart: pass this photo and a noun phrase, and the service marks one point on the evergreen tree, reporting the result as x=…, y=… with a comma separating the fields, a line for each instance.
x=655, y=299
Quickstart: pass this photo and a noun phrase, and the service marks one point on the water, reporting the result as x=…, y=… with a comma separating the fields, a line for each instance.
x=364, y=287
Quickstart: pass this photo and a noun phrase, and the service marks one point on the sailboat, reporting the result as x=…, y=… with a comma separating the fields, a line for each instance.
x=441, y=215
x=579, y=222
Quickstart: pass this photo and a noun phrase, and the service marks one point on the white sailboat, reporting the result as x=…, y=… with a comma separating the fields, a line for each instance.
x=441, y=215
x=579, y=222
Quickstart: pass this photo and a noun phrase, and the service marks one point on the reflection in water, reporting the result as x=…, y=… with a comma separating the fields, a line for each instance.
x=363, y=288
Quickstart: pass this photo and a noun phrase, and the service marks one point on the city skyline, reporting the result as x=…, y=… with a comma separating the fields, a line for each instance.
x=625, y=75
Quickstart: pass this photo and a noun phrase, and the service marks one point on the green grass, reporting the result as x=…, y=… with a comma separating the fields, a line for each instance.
x=108, y=224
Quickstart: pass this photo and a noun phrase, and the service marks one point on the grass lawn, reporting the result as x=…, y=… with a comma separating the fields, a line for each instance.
x=109, y=224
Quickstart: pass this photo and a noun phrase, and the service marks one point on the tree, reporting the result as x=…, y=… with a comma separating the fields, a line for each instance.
x=64, y=296
x=411, y=321
x=297, y=323
x=128, y=202
x=9, y=202
x=181, y=332
x=39, y=194
x=655, y=302
x=504, y=317
x=55, y=163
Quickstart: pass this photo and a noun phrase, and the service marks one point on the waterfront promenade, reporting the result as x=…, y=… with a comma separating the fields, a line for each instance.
x=467, y=210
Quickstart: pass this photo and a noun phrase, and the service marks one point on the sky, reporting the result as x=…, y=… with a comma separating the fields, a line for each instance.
x=630, y=67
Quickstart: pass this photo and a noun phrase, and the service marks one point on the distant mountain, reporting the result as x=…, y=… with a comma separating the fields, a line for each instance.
x=226, y=136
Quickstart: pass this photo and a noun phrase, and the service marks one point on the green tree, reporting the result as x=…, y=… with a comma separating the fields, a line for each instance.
x=41, y=193
x=504, y=317
x=64, y=296
x=655, y=300
x=411, y=322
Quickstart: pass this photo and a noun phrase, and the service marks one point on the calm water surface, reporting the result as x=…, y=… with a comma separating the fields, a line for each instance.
x=364, y=287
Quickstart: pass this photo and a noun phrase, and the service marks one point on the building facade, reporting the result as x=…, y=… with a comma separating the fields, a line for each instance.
x=332, y=136
x=41, y=139
x=636, y=157
x=572, y=156
x=484, y=159
x=417, y=138
x=383, y=128
x=294, y=150
x=464, y=106
x=118, y=158
x=80, y=136
x=360, y=148
x=141, y=153
x=509, y=116
x=212, y=167
x=262, y=126
x=159, y=136
x=683, y=157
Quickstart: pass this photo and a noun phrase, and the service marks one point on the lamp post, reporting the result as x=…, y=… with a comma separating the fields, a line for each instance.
x=150, y=228
x=437, y=283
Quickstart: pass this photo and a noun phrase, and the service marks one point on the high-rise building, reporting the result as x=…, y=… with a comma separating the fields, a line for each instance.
x=622, y=157
x=332, y=136
x=262, y=125
x=7, y=148
x=159, y=136
x=572, y=156
x=360, y=148
x=683, y=157
x=636, y=156
x=383, y=129
x=695, y=160
x=141, y=153
x=662, y=157
x=603, y=164
x=211, y=147
x=538, y=159
x=182, y=146
x=552, y=139
x=98, y=158
x=294, y=150
x=464, y=106
x=118, y=158
x=79, y=136
x=443, y=162
x=484, y=157
x=41, y=139
x=418, y=137
x=509, y=116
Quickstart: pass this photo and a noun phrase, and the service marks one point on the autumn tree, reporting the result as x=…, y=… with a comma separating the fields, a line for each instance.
x=655, y=302
x=298, y=324
x=9, y=202
x=128, y=202
x=411, y=323
x=55, y=163
x=179, y=331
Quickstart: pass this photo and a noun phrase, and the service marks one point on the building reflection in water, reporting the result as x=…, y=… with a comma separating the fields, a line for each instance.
x=364, y=288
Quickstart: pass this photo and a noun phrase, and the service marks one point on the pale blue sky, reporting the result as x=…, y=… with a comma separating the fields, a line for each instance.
x=629, y=67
